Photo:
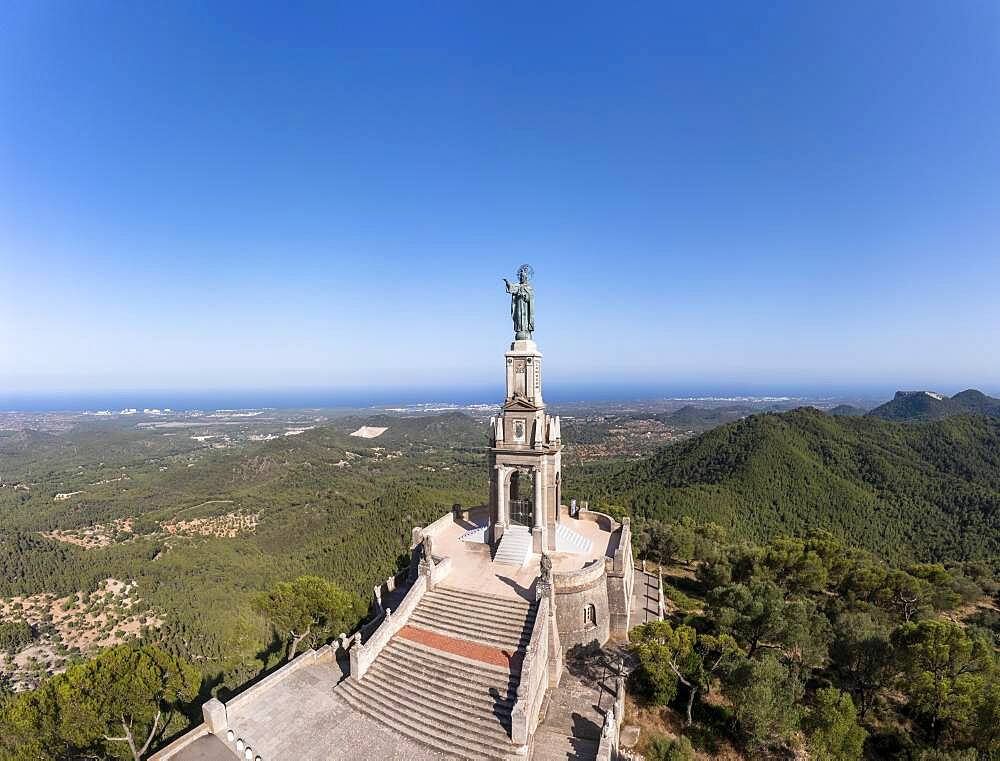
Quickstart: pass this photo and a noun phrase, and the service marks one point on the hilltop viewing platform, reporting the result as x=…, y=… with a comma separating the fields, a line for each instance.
x=460, y=538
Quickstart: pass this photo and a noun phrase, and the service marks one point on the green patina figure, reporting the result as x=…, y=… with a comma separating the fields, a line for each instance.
x=522, y=303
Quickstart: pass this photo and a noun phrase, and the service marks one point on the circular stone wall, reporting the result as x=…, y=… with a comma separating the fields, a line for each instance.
x=576, y=593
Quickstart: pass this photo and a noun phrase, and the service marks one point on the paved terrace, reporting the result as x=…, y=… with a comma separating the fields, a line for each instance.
x=473, y=569
x=303, y=718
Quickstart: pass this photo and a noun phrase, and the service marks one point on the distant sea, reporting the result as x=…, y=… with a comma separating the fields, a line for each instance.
x=382, y=397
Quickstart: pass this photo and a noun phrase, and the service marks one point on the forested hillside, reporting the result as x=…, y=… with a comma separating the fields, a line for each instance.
x=201, y=531
x=924, y=406
x=924, y=492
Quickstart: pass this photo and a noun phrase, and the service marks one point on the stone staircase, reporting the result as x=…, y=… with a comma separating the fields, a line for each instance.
x=567, y=540
x=515, y=546
x=504, y=623
x=456, y=705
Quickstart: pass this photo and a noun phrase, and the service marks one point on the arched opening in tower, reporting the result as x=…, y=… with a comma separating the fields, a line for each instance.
x=522, y=498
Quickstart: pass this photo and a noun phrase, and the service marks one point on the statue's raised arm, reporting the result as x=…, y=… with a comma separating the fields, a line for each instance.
x=522, y=303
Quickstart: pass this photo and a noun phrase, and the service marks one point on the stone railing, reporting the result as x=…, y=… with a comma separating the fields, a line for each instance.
x=608, y=750
x=436, y=527
x=534, y=678
x=363, y=654
x=386, y=588
x=222, y=719
x=621, y=578
x=604, y=521
x=361, y=648
x=659, y=586
x=621, y=559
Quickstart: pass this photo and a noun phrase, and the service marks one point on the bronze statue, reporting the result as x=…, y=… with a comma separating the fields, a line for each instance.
x=522, y=303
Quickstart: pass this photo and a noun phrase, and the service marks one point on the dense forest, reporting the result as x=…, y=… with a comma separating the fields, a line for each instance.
x=808, y=643
x=928, y=492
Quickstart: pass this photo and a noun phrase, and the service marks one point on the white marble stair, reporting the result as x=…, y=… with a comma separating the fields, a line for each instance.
x=567, y=540
x=476, y=535
x=515, y=546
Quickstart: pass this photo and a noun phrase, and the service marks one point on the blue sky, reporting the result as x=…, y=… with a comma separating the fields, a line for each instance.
x=722, y=195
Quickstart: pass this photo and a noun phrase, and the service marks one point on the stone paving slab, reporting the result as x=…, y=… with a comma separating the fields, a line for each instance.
x=207, y=748
x=645, y=598
x=302, y=718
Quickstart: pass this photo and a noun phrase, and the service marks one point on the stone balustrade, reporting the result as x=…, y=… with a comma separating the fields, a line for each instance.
x=534, y=678
x=217, y=714
x=364, y=654
x=608, y=750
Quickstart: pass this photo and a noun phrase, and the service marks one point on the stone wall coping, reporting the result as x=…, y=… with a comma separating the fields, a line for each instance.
x=467, y=513
x=164, y=754
x=566, y=581
x=440, y=571
x=305, y=659
x=362, y=656
x=439, y=525
x=605, y=521
x=621, y=556
x=534, y=672
x=394, y=620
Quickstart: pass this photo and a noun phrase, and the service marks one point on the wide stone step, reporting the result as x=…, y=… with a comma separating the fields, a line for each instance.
x=478, y=607
x=461, y=741
x=500, y=693
x=482, y=637
x=477, y=598
x=473, y=596
x=482, y=723
x=450, y=670
x=474, y=620
x=418, y=649
x=464, y=705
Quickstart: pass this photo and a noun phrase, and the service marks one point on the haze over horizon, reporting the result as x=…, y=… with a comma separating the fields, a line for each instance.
x=713, y=198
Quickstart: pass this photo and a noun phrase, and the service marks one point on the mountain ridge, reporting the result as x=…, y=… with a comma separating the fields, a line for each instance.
x=926, y=406
x=920, y=492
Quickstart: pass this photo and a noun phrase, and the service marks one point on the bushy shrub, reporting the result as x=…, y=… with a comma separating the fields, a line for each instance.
x=663, y=748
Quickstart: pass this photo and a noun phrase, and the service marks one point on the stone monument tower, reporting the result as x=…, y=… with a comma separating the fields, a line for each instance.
x=525, y=443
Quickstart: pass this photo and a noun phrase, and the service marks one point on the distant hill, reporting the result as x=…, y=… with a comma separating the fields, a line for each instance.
x=924, y=406
x=702, y=417
x=847, y=410
x=451, y=428
x=924, y=492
